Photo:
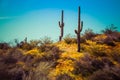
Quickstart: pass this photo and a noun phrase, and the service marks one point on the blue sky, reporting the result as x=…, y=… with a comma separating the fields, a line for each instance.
x=38, y=18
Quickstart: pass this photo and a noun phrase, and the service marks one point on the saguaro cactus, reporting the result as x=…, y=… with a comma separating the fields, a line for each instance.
x=61, y=25
x=80, y=26
x=25, y=40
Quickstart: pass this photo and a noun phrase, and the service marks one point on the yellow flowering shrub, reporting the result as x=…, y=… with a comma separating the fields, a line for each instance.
x=96, y=49
x=117, y=47
x=73, y=55
x=67, y=60
x=34, y=52
x=115, y=53
x=67, y=47
x=65, y=66
x=100, y=37
x=61, y=44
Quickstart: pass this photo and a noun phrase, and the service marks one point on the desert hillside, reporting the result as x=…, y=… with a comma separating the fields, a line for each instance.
x=98, y=59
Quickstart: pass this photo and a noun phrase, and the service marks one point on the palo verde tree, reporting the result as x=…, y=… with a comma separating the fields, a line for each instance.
x=61, y=25
x=80, y=26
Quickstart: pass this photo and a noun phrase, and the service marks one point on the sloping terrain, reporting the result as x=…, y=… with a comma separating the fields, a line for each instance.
x=99, y=59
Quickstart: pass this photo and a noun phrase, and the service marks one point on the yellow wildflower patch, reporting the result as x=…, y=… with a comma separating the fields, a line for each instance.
x=74, y=55
x=100, y=37
x=97, y=49
x=34, y=52
x=64, y=66
x=67, y=47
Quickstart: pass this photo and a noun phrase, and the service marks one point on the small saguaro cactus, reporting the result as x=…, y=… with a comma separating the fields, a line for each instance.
x=80, y=26
x=25, y=40
x=61, y=25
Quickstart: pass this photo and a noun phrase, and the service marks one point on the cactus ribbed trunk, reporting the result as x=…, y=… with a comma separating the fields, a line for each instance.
x=80, y=26
x=61, y=25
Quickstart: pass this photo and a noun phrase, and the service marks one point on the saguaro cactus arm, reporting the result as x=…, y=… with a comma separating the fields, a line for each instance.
x=59, y=24
x=81, y=26
x=76, y=31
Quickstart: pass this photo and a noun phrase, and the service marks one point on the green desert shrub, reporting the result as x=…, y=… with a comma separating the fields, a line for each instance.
x=115, y=53
x=34, y=43
x=30, y=45
x=98, y=50
x=88, y=35
x=46, y=44
x=45, y=41
x=87, y=65
x=16, y=53
x=100, y=63
x=70, y=39
x=9, y=69
x=112, y=33
x=83, y=67
x=110, y=29
x=24, y=46
x=51, y=52
x=109, y=41
x=4, y=46
x=40, y=72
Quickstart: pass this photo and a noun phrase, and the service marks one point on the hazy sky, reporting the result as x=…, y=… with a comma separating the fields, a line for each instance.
x=37, y=18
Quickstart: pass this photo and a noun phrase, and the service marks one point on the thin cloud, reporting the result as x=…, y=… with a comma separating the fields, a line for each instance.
x=8, y=17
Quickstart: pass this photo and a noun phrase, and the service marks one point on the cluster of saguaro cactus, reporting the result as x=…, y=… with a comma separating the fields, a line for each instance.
x=61, y=25
x=80, y=26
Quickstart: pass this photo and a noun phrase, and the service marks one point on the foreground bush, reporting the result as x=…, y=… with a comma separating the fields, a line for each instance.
x=64, y=77
x=4, y=46
x=40, y=72
x=87, y=65
x=108, y=73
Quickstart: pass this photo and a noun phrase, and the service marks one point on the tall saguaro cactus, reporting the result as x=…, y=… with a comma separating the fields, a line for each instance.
x=61, y=25
x=80, y=26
